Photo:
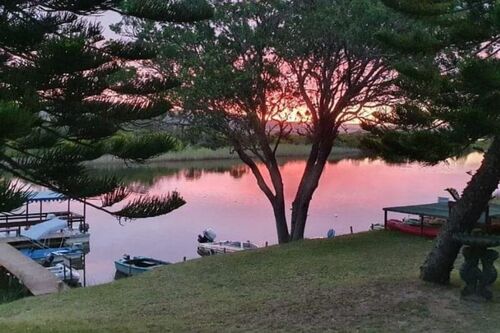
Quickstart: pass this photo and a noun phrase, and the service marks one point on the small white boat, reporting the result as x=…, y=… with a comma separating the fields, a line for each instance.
x=207, y=249
x=377, y=226
x=65, y=274
x=208, y=246
x=136, y=265
x=73, y=237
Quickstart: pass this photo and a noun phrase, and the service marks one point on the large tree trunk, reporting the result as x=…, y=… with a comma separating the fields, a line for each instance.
x=463, y=217
x=280, y=218
x=275, y=195
x=308, y=185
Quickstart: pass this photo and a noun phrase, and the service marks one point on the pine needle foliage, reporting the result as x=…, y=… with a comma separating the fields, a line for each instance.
x=446, y=56
x=68, y=95
x=119, y=194
x=151, y=206
x=11, y=195
x=174, y=11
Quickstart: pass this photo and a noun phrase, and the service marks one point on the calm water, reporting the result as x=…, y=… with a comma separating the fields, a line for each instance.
x=224, y=196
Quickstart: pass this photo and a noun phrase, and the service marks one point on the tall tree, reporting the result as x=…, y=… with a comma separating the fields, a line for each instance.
x=338, y=74
x=449, y=82
x=67, y=96
x=257, y=64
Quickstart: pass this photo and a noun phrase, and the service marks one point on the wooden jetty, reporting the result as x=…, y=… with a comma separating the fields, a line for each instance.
x=37, y=279
x=14, y=227
x=20, y=242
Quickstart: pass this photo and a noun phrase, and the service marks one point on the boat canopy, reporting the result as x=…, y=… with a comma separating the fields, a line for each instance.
x=46, y=196
x=39, y=231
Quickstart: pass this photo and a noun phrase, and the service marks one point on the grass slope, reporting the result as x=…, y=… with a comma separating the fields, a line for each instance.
x=365, y=283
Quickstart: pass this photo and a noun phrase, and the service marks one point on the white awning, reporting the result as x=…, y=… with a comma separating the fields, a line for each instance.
x=43, y=229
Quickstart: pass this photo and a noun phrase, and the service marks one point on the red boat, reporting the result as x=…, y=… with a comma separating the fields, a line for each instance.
x=426, y=231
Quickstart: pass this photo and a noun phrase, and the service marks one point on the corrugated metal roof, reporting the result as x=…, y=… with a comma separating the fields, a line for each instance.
x=46, y=196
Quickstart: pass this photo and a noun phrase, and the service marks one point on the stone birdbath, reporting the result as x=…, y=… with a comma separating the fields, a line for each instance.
x=477, y=249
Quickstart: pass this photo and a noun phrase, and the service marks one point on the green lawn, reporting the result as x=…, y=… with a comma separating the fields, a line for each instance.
x=365, y=283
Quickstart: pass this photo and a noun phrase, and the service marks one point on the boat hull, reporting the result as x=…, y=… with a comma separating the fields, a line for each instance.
x=426, y=231
x=65, y=274
x=129, y=270
x=78, y=238
x=127, y=267
x=42, y=255
x=208, y=249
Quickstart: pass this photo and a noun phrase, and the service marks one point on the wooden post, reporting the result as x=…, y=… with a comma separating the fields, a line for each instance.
x=421, y=225
x=27, y=211
x=84, y=210
x=64, y=272
x=184, y=259
x=385, y=219
x=70, y=270
x=70, y=220
x=266, y=243
x=351, y=230
x=84, y=270
x=18, y=228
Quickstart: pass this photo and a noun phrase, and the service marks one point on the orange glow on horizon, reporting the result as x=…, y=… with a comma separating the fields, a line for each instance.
x=300, y=114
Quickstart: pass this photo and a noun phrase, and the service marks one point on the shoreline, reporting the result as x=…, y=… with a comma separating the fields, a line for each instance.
x=287, y=151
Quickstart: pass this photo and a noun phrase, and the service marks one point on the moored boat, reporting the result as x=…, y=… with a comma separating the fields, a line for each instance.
x=377, y=226
x=52, y=256
x=207, y=249
x=136, y=265
x=413, y=229
x=65, y=274
x=208, y=246
x=74, y=237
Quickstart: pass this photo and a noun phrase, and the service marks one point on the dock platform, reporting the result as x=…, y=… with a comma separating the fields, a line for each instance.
x=37, y=279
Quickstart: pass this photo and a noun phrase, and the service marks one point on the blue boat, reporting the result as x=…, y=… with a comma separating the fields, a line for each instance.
x=53, y=255
x=136, y=265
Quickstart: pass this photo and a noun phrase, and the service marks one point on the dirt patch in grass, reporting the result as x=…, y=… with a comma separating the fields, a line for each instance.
x=382, y=306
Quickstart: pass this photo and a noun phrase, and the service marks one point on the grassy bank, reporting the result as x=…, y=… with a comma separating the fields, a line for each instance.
x=365, y=282
x=286, y=150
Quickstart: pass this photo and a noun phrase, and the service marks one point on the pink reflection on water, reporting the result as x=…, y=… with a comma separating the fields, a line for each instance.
x=351, y=193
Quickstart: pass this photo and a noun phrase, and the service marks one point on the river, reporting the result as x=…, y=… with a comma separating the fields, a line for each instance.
x=223, y=195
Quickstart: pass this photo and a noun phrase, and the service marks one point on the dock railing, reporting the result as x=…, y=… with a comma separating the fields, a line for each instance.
x=16, y=222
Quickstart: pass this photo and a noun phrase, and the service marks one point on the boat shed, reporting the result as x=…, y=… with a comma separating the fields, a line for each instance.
x=16, y=220
x=440, y=210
